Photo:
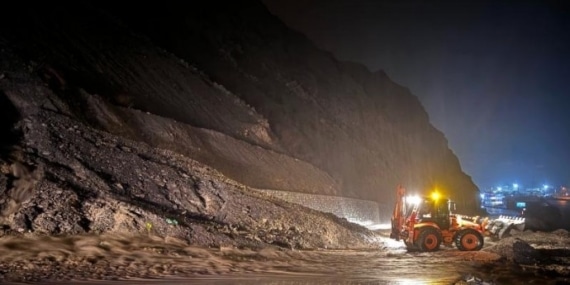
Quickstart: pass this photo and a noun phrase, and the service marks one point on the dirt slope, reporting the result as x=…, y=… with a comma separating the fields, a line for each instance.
x=233, y=68
x=64, y=177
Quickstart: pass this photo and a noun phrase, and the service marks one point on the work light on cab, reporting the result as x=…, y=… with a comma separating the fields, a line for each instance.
x=435, y=196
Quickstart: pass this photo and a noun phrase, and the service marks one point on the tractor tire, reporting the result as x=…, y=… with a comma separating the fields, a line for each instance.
x=429, y=240
x=410, y=246
x=469, y=240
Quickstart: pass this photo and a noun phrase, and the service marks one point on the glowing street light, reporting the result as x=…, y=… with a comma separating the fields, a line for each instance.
x=515, y=186
x=545, y=187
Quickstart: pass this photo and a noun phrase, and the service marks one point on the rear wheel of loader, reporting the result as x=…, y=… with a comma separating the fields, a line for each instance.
x=469, y=240
x=410, y=246
x=429, y=240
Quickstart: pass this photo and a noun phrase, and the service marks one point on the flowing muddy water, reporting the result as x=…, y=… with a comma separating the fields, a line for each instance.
x=100, y=259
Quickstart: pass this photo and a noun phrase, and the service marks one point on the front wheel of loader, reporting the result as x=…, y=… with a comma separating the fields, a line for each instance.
x=469, y=240
x=429, y=240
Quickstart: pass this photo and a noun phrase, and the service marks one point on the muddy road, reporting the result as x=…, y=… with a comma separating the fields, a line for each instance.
x=98, y=259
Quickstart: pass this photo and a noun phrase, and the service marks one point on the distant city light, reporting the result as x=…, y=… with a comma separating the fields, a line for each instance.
x=499, y=188
x=545, y=187
x=516, y=186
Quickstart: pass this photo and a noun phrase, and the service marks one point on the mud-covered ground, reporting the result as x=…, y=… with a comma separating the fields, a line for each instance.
x=147, y=258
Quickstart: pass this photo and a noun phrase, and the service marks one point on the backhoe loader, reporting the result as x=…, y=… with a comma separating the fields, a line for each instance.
x=424, y=223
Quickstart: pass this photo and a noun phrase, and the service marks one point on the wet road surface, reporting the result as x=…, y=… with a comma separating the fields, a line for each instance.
x=130, y=262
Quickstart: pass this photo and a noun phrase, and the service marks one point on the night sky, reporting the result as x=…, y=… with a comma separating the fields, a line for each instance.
x=494, y=76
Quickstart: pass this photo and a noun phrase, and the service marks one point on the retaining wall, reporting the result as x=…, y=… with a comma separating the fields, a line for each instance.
x=354, y=210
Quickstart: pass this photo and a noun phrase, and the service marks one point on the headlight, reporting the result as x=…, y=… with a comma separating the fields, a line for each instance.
x=414, y=200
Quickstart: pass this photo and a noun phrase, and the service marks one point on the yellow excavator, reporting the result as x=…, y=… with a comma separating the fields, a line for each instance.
x=424, y=223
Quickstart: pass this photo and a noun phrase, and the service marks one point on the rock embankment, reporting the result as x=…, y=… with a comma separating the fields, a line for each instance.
x=84, y=181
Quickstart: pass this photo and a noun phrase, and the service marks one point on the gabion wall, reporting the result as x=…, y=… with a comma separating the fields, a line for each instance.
x=354, y=210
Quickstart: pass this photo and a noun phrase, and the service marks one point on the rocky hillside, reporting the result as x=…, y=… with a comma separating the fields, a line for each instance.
x=230, y=86
x=60, y=176
x=359, y=126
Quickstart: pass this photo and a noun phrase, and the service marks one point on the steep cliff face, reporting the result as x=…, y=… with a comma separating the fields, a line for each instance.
x=359, y=126
x=248, y=96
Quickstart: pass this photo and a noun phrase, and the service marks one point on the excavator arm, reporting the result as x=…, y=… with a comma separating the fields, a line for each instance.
x=398, y=218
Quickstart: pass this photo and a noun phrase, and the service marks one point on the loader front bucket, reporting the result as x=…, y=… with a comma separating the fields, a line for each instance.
x=502, y=226
x=505, y=231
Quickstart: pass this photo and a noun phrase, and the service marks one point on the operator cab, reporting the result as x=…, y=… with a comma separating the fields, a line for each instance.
x=435, y=210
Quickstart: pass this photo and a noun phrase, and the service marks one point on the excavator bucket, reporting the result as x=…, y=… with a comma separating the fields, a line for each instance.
x=502, y=226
